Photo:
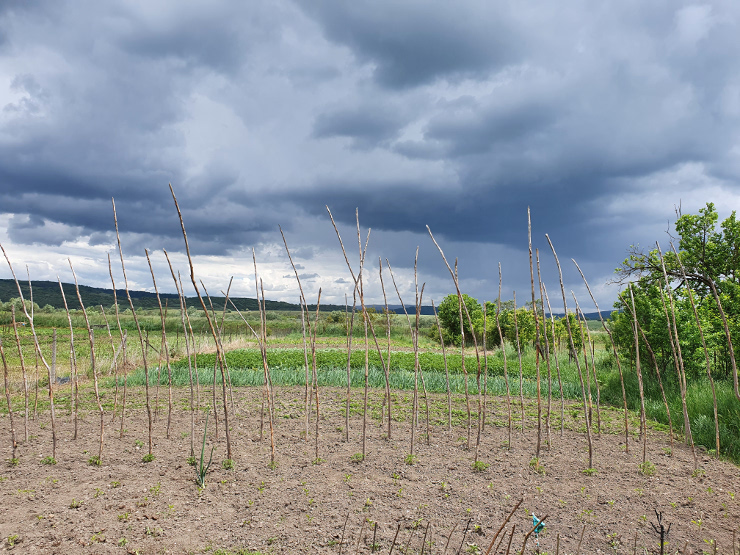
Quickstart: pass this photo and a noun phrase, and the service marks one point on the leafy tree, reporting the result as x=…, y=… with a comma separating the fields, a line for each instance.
x=706, y=259
x=449, y=315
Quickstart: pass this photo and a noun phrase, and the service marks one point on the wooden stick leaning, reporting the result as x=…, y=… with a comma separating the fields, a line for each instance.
x=194, y=342
x=657, y=372
x=387, y=365
x=180, y=296
x=557, y=363
x=123, y=342
x=678, y=358
x=690, y=294
x=138, y=329
x=538, y=347
x=519, y=357
x=73, y=381
x=36, y=354
x=93, y=365
x=462, y=341
x=13, y=441
x=546, y=354
x=578, y=364
x=616, y=356
x=219, y=351
x=14, y=325
x=503, y=525
x=587, y=348
x=303, y=303
x=416, y=353
x=265, y=367
x=164, y=345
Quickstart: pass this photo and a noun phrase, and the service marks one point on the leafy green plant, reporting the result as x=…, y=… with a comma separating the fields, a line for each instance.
x=201, y=469
x=647, y=468
x=94, y=461
x=228, y=464
x=48, y=460
x=479, y=466
x=357, y=458
x=14, y=461
x=149, y=457
x=75, y=504
x=410, y=459
x=191, y=460
x=590, y=471
x=115, y=484
x=13, y=539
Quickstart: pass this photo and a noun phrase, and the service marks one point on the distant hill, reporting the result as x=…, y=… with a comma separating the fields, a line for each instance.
x=48, y=293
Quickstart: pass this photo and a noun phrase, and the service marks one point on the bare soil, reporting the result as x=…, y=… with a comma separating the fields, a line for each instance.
x=301, y=506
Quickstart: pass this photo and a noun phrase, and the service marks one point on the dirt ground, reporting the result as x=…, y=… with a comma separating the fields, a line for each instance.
x=302, y=505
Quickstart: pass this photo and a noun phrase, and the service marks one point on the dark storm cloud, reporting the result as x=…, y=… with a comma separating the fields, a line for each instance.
x=458, y=116
x=367, y=125
x=414, y=43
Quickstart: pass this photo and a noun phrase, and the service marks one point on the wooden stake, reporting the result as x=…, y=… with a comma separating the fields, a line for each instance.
x=13, y=442
x=706, y=352
x=73, y=383
x=519, y=355
x=538, y=348
x=138, y=329
x=219, y=351
x=503, y=352
x=183, y=310
x=447, y=372
x=92, y=364
x=23, y=370
x=557, y=364
x=616, y=357
x=163, y=346
x=578, y=364
x=546, y=354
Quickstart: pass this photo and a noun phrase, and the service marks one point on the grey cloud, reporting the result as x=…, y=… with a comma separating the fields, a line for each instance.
x=414, y=43
x=367, y=125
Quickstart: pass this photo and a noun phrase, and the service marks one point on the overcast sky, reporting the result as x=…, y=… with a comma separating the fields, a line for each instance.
x=457, y=115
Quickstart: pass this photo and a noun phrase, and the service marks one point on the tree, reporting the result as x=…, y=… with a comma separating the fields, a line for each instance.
x=706, y=258
x=449, y=315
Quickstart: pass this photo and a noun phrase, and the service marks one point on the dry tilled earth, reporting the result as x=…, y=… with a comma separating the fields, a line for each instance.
x=438, y=503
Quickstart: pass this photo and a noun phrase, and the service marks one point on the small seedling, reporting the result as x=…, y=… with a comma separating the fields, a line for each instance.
x=122, y=541
x=347, y=478
x=590, y=471
x=536, y=465
x=13, y=539
x=202, y=469
x=75, y=504
x=98, y=493
x=479, y=466
x=699, y=473
x=154, y=490
x=228, y=464
x=191, y=460
x=14, y=461
x=357, y=458
x=149, y=457
x=48, y=460
x=139, y=444
x=410, y=459
x=124, y=517
x=115, y=484
x=647, y=468
x=94, y=461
